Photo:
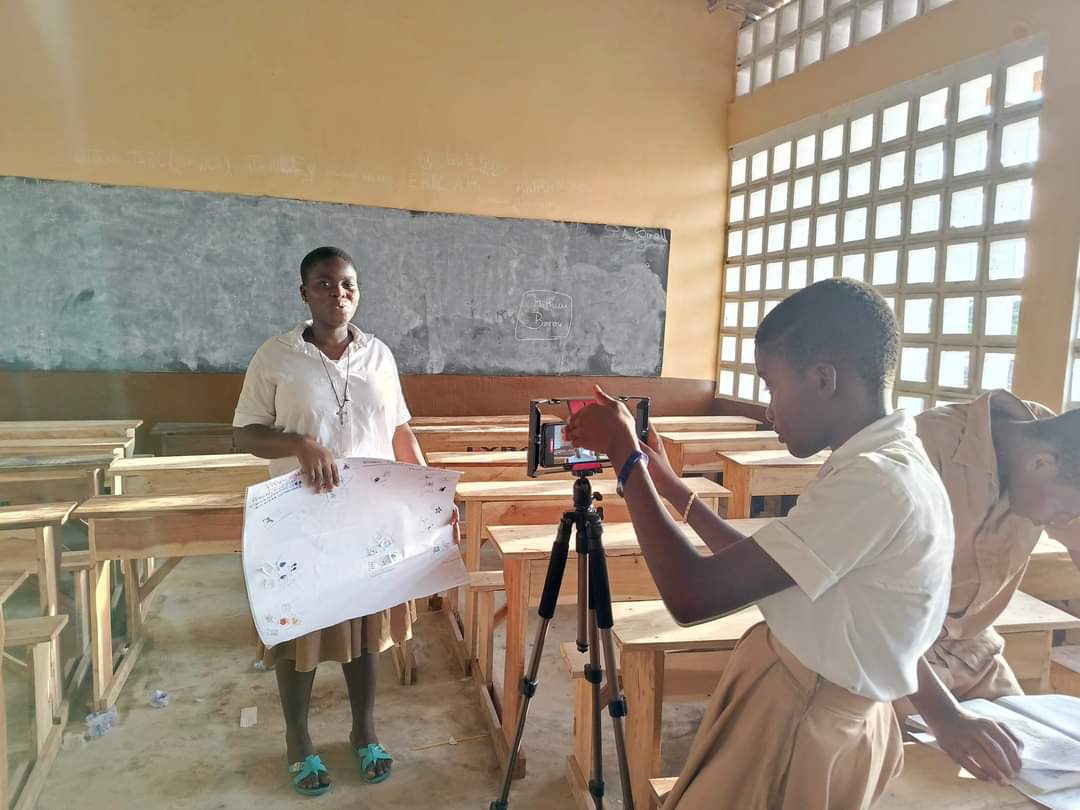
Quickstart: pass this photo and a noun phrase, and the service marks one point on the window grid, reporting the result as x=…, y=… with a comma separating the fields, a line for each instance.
x=897, y=190
x=803, y=32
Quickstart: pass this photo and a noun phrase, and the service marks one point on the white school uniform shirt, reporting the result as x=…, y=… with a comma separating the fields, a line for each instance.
x=870, y=547
x=287, y=386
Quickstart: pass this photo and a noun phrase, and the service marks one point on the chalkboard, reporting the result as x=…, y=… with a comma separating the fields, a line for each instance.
x=140, y=279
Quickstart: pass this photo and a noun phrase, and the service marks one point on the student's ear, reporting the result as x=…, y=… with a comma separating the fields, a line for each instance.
x=303, y=294
x=824, y=377
x=1042, y=465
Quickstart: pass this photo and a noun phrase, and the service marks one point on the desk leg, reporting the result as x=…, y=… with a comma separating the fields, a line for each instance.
x=101, y=649
x=516, y=580
x=474, y=522
x=48, y=580
x=737, y=479
x=132, y=600
x=643, y=683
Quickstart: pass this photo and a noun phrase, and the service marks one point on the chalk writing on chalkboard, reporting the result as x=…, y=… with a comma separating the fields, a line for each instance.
x=544, y=315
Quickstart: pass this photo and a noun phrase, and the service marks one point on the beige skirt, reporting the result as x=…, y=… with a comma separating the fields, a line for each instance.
x=343, y=642
x=778, y=736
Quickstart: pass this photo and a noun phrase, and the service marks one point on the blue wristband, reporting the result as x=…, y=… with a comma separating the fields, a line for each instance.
x=628, y=468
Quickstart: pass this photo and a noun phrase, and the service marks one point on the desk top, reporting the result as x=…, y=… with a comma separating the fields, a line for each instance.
x=543, y=489
x=1025, y=612
x=620, y=539
x=62, y=428
x=649, y=626
x=24, y=463
x=774, y=458
x=127, y=466
x=1050, y=549
x=516, y=430
x=33, y=515
x=139, y=506
x=722, y=437
x=503, y=458
x=202, y=428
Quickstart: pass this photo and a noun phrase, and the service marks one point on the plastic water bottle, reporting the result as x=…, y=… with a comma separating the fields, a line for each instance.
x=159, y=699
x=98, y=724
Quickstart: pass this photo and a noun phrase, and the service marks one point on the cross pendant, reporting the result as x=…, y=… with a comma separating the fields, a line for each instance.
x=341, y=415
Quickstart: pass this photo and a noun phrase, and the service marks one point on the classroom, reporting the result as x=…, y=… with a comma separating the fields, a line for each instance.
x=819, y=548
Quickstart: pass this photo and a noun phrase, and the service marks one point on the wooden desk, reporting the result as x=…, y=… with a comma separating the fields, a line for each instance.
x=51, y=479
x=28, y=542
x=135, y=527
x=765, y=472
x=699, y=451
x=525, y=553
x=129, y=527
x=122, y=429
x=193, y=438
x=1051, y=573
x=646, y=633
x=23, y=448
x=537, y=501
x=695, y=424
x=471, y=421
x=458, y=438
x=186, y=475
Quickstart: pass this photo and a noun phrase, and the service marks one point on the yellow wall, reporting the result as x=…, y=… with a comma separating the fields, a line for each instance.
x=956, y=32
x=597, y=110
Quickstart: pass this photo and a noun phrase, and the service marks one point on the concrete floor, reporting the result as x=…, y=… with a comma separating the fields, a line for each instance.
x=193, y=754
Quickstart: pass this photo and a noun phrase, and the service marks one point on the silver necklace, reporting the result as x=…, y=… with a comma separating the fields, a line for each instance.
x=343, y=401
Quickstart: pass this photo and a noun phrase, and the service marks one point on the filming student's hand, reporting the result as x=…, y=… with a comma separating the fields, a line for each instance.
x=455, y=521
x=318, y=465
x=985, y=748
x=665, y=480
x=605, y=427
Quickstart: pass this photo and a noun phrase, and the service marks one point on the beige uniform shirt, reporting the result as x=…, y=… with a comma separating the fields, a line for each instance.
x=992, y=543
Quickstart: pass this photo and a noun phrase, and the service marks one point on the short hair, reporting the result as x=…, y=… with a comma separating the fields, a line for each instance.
x=839, y=321
x=1062, y=434
x=319, y=255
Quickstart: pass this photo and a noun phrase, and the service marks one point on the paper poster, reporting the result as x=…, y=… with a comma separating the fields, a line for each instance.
x=312, y=560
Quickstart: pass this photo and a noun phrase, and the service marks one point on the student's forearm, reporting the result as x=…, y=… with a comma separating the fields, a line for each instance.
x=266, y=442
x=714, y=531
x=406, y=447
x=933, y=701
x=694, y=586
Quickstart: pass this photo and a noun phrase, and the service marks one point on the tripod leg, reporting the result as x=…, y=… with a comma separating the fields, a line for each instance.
x=548, y=600
x=600, y=593
x=594, y=672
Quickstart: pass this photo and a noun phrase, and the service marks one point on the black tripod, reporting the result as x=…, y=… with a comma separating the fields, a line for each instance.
x=594, y=629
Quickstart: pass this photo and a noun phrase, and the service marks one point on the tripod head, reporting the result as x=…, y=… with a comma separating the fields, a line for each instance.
x=583, y=492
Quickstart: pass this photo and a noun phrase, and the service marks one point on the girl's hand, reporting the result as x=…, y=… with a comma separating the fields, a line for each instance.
x=606, y=427
x=455, y=521
x=318, y=465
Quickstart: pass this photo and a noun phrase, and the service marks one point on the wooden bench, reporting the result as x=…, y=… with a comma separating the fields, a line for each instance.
x=51, y=479
x=193, y=438
x=29, y=542
x=24, y=448
x=765, y=472
x=698, y=451
x=929, y=781
x=646, y=634
x=187, y=475
x=40, y=636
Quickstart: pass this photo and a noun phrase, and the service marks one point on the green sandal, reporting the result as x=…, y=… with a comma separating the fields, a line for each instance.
x=311, y=766
x=370, y=755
